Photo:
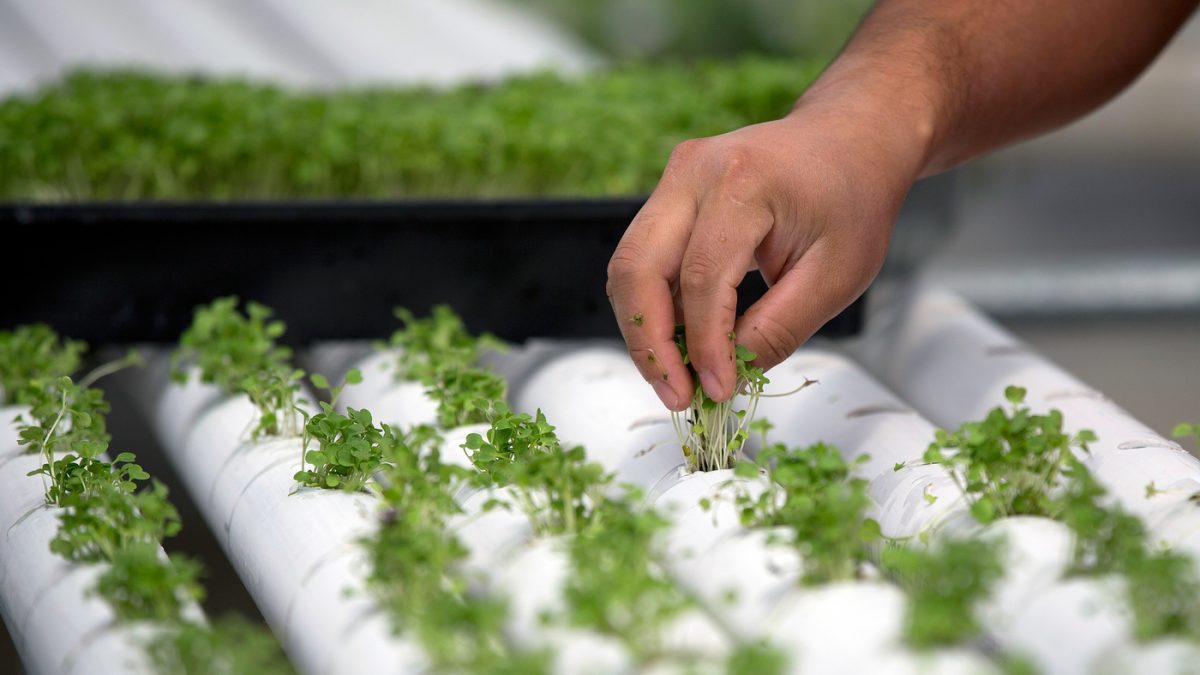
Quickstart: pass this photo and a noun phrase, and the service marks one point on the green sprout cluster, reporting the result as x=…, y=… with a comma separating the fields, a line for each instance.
x=439, y=352
x=238, y=351
x=713, y=433
x=1011, y=462
x=814, y=498
x=129, y=135
x=1018, y=462
x=944, y=583
x=555, y=485
x=33, y=353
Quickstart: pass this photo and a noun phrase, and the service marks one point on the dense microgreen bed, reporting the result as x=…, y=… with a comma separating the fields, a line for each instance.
x=128, y=135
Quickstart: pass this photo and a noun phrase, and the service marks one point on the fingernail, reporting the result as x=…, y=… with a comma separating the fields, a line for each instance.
x=712, y=386
x=666, y=394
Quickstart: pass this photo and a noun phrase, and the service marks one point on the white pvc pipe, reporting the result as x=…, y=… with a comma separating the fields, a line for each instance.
x=399, y=403
x=953, y=364
x=56, y=623
x=296, y=550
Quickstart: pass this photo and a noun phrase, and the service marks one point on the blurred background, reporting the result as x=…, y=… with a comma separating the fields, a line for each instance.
x=1085, y=242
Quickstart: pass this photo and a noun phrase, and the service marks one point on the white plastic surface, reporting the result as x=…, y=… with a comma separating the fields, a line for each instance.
x=401, y=404
x=842, y=627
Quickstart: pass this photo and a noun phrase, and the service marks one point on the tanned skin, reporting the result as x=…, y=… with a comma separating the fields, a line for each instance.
x=809, y=200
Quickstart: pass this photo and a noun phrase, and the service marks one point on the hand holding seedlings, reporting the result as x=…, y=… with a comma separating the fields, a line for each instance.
x=809, y=199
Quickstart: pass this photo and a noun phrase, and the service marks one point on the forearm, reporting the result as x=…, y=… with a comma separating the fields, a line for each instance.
x=952, y=79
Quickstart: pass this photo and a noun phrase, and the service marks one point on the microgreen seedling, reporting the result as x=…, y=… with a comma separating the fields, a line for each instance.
x=1011, y=462
x=350, y=448
x=555, y=484
x=712, y=433
x=813, y=495
x=238, y=352
x=33, y=353
x=944, y=584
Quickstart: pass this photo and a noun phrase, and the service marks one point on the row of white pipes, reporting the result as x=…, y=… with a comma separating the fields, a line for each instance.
x=298, y=552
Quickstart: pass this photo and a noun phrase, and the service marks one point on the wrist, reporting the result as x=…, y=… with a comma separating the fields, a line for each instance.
x=902, y=106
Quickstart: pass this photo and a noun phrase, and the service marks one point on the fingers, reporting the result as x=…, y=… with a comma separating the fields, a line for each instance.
x=728, y=229
x=802, y=300
x=640, y=273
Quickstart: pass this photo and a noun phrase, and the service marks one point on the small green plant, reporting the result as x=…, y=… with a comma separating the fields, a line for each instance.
x=1187, y=430
x=141, y=584
x=238, y=352
x=617, y=585
x=1160, y=585
x=33, y=353
x=350, y=448
x=440, y=353
x=758, y=658
x=813, y=496
x=1010, y=463
x=230, y=645
x=555, y=485
x=944, y=585
x=712, y=434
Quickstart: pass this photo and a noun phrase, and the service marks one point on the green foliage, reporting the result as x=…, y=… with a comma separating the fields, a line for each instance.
x=230, y=645
x=1009, y=463
x=813, y=496
x=238, y=352
x=64, y=418
x=130, y=135
x=712, y=434
x=617, y=586
x=944, y=584
x=142, y=585
x=350, y=449
x=440, y=353
x=758, y=658
x=1187, y=430
x=33, y=353
x=1160, y=585
x=556, y=485
x=98, y=526
x=416, y=568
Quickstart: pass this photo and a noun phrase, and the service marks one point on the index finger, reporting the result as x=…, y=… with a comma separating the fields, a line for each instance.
x=640, y=273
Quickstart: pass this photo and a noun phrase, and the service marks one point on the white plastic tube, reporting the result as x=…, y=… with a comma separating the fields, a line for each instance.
x=56, y=623
x=398, y=403
x=953, y=364
x=596, y=398
x=296, y=550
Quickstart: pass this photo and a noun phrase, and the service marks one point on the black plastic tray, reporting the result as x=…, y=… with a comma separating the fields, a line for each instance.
x=122, y=273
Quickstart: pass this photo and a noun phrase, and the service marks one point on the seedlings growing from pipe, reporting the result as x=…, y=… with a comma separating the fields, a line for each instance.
x=238, y=352
x=1011, y=462
x=812, y=495
x=944, y=583
x=555, y=485
x=712, y=433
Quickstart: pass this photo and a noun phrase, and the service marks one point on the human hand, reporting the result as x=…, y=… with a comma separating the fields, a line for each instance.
x=808, y=200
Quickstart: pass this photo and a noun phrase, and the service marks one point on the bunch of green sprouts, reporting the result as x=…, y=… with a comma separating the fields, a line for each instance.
x=33, y=353
x=554, y=485
x=1011, y=462
x=713, y=433
x=813, y=496
x=238, y=352
x=439, y=352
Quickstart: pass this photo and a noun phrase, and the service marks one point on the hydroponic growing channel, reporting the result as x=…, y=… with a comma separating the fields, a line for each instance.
x=446, y=502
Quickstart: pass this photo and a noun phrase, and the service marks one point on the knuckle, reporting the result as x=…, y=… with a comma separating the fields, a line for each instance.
x=624, y=264
x=686, y=151
x=698, y=272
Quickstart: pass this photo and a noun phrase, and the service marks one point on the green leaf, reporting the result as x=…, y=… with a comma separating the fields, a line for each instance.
x=1014, y=394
